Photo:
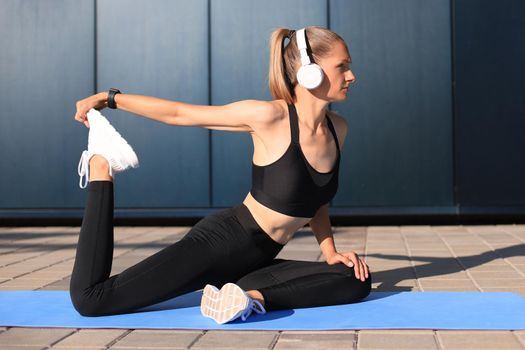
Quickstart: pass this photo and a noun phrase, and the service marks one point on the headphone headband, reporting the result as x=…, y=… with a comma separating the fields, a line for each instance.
x=301, y=45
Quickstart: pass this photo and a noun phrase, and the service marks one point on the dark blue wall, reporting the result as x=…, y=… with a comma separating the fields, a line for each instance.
x=490, y=104
x=436, y=116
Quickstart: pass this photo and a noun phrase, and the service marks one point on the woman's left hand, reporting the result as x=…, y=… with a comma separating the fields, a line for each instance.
x=352, y=260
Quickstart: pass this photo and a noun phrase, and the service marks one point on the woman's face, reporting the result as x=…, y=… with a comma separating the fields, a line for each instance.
x=337, y=74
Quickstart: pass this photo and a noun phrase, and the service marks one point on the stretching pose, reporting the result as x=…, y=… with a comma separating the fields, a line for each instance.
x=297, y=143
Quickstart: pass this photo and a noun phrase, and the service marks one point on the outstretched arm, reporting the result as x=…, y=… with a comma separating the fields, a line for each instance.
x=245, y=115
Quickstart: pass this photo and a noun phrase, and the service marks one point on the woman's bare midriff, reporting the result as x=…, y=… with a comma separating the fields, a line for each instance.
x=278, y=226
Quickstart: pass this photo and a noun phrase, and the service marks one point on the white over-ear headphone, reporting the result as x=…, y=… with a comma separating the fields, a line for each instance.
x=310, y=75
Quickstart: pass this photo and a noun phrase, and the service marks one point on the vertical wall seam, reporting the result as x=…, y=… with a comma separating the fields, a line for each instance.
x=95, y=80
x=328, y=25
x=331, y=203
x=454, y=105
x=210, y=102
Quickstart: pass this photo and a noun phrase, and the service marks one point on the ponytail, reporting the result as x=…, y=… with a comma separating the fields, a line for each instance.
x=279, y=83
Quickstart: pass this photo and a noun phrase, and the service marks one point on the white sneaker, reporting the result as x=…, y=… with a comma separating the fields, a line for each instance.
x=228, y=303
x=104, y=140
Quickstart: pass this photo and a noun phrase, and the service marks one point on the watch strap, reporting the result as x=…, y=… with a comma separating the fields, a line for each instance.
x=111, y=98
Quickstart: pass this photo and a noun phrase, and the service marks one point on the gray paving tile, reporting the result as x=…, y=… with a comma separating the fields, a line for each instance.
x=483, y=228
x=46, y=274
x=520, y=268
x=448, y=228
x=512, y=283
x=372, y=260
x=519, y=260
x=408, y=339
x=466, y=244
x=451, y=289
x=13, y=271
x=444, y=283
x=459, y=275
x=298, y=255
x=497, y=267
x=385, y=284
x=317, y=340
x=478, y=340
x=487, y=275
x=92, y=338
x=432, y=255
x=58, y=285
x=235, y=340
x=24, y=284
x=157, y=339
x=381, y=246
x=521, y=336
x=77, y=348
x=429, y=250
x=33, y=336
x=520, y=291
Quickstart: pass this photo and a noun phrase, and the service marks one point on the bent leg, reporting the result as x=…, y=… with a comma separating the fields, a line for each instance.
x=287, y=284
x=94, y=253
x=216, y=250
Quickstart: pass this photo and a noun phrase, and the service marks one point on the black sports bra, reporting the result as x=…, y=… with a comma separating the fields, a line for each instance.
x=290, y=185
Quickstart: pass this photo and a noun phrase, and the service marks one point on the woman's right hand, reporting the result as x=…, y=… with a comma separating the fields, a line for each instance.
x=97, y=101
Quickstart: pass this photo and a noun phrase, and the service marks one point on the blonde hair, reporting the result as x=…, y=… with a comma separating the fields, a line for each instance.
x=285, y=61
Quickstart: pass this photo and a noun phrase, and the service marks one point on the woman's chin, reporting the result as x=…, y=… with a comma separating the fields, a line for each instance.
x=343, y=96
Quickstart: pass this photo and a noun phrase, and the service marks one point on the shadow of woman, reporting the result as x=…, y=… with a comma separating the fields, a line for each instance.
x=436, y=266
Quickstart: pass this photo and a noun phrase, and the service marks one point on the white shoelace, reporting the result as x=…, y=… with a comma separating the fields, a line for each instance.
x=254, y=305
x=83, y=169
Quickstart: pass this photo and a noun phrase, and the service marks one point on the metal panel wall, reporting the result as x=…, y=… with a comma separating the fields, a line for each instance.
x=46, y=64
x=490, y=102
x=398, y=151
x=158, y=49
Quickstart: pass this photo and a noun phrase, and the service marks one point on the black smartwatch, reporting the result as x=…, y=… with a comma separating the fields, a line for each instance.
x=111, y=98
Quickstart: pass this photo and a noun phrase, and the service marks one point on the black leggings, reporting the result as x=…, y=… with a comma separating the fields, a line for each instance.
x=225, y=246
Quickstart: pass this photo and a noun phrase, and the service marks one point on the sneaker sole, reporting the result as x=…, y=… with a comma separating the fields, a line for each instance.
x=223, y=305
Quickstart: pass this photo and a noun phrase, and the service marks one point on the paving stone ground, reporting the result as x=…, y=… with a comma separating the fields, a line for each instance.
x=402, y=258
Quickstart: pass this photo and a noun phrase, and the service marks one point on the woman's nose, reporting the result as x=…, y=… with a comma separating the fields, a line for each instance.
x=350, y=77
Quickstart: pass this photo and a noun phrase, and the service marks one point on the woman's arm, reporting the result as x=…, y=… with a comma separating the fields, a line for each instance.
x=245, y=115
x=321, y=227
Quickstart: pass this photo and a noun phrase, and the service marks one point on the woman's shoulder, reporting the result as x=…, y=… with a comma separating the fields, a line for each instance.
x=275, y=112
x=279, y=108
x=268, y=110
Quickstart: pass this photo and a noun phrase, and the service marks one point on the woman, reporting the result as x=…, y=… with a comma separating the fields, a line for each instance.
x=297, y=144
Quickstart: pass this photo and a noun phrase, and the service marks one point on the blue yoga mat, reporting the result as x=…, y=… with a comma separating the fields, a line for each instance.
x=380, y=310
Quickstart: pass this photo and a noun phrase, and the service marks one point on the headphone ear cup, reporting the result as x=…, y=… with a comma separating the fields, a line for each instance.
x=310, y=76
